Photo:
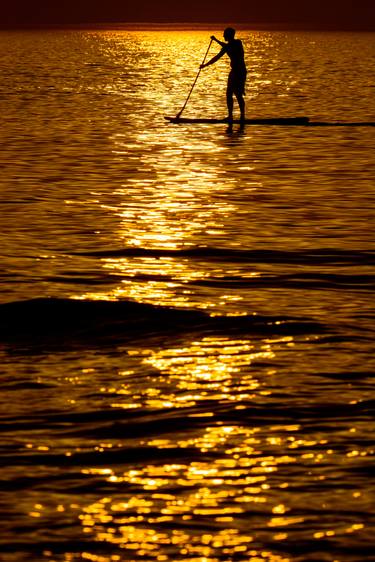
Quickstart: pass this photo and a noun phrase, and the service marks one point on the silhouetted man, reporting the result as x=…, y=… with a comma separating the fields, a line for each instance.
x=237, y=75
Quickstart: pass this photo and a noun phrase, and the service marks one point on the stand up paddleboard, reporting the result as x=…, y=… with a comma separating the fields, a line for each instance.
x=274, y=121
x=270, y=121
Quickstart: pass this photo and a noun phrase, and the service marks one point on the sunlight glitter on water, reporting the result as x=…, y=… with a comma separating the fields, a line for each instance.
x=237, y=485
x=209, y=368
x=169, y=281
x=176, y=200
x=221, y=488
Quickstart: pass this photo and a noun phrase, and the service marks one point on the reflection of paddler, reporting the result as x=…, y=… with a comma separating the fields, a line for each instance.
x=237, y=76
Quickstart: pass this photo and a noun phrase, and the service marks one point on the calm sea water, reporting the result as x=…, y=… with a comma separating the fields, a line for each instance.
x=186, y=313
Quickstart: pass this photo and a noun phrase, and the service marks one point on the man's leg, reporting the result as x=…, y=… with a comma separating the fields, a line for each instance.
x=241, y=103
x=230, y=93
x=230, y=105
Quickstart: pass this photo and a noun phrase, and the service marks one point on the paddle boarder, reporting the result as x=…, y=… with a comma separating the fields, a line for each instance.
x=237, y=75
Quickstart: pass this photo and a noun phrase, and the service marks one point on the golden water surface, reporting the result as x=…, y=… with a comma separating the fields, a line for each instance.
x=139, y=437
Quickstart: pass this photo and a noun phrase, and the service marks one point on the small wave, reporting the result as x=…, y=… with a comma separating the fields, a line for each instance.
x=325, y=255
x=314, y=280
x=51, y=318
x=299, y=281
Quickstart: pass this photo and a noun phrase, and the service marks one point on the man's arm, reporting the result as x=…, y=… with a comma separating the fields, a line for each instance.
x=214, y=59
x=221, y=43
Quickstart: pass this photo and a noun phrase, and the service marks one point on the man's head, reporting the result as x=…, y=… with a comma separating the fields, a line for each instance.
x=229, y=33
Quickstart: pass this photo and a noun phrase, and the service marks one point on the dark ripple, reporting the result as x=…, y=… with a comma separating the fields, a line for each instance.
x=321, y=256
x=82, y=320
x=119, y=456
x=300, y=280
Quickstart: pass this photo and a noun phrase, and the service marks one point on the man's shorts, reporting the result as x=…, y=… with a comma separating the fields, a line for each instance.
x=236, y=83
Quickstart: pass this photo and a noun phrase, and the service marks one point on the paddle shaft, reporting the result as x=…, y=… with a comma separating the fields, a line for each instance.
x=195, y=81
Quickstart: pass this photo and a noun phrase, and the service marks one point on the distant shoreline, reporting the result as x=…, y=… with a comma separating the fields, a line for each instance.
x=180, y=26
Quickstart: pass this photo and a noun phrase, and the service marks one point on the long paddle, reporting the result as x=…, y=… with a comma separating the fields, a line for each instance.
x=195, y=81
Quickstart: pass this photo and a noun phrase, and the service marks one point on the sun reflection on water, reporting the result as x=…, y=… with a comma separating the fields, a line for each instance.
x=163, y=502
x=169, y=281
x=173, y=194
x=236, y=477
x=206, y=369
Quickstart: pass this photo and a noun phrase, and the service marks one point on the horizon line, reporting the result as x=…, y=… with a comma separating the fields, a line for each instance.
x=187, y=25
